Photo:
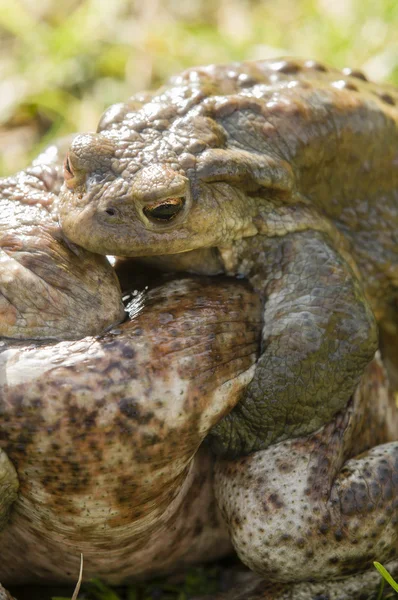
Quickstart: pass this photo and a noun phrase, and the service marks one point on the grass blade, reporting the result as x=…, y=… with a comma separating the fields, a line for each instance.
x=386, y=575
x=79, y=581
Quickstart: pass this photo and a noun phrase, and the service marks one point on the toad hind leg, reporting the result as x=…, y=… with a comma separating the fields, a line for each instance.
x=319, y=334
x=304, y=509
x=356, y=587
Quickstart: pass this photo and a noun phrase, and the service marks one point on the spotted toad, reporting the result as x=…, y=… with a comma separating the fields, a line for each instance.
x=284, y=172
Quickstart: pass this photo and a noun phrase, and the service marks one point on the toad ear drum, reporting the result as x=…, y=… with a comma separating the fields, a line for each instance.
x=246, y=169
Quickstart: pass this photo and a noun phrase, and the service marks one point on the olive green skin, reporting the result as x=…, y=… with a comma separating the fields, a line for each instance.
x=286, y=173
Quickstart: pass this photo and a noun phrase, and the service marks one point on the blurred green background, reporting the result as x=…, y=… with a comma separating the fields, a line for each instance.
x=63, y=61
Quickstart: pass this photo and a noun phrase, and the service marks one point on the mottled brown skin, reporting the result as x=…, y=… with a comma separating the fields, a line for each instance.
x=284, y=172
x=118, y=476
x=49, y=288
x=310, y=515
x=104, y=434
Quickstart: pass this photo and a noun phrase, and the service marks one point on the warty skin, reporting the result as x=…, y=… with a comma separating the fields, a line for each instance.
x=282, y=171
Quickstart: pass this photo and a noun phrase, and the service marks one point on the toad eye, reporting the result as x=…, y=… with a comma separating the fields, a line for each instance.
x=164, y=211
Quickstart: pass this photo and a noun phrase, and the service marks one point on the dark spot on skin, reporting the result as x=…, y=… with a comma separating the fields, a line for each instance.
x=90, y=420
x=387, y=98
x=355, y=73
x=129, y=407
x=276, y=501
x=316, y=66
x=285, y=467
x=128, y=352
x=350, y=86
x=338, y=535
x=287, y=67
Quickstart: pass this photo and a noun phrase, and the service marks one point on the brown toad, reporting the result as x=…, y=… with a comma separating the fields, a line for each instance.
x=99, y=448
x=284, y=172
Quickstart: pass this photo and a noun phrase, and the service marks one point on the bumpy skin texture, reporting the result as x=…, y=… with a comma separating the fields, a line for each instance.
x=314, y=346
x=323, y=506
x=248, y=159
x=360, y=587
x=104, y=434
x=49, y=288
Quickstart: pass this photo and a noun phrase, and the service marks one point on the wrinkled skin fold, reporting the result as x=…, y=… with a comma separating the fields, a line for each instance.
x=46, y=284
x=318, y=336
x=281, y=171
x=104, y=434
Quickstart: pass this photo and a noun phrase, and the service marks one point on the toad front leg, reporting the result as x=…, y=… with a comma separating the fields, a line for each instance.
x=319, y=334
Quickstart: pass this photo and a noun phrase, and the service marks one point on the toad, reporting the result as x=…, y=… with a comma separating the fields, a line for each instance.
x=284, y=172
x=101, y=447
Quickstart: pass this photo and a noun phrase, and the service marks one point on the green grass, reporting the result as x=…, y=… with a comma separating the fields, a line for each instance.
x=386, y=577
